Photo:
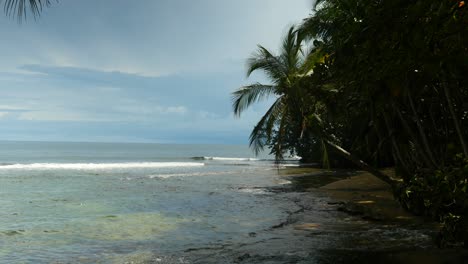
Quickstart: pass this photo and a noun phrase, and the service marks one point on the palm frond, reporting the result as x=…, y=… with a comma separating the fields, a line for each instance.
x=263, y=130
x=284, y=73
x=278, y=109
x=278, y=149
x=291, y=50
x=247, y=95
x=19, y=8
x=264, y=60
x=318, y=3
x=321, y=25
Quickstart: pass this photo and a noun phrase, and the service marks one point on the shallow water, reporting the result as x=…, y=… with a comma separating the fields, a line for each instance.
x=118, y=203
x=61, y=201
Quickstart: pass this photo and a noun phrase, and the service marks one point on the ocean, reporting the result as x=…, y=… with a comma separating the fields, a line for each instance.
x=167, y=203
x=102, y=202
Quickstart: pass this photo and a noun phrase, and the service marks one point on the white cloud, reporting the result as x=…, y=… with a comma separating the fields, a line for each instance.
x=60, y=115
x=175, y=110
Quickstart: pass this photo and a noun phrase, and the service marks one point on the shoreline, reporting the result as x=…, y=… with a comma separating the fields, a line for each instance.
x=336, y=217
x=360, y=194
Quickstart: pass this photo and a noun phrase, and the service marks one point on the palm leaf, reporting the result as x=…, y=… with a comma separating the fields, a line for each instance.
x=247, y=95
x=19, y=8
x=284, y=73
x=281, y=137
x=264, y=60
x=290, y=50
x=278, y=109
x=264, y=128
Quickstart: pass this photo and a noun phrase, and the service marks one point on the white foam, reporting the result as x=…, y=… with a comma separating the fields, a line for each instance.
x=253, y=190
x=289, y=165
x=283, y=182
x=295, y=157
x=230, y=159
x=98, y=166
x=166, y=176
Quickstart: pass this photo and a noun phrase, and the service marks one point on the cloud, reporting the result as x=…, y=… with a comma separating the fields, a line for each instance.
x=57, y=116
x=175, y=109
x=148, y=37
x=134, y=71
x=160, y=109
x=210, y=92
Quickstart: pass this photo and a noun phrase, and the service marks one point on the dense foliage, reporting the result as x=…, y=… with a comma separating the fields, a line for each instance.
x=383, y=80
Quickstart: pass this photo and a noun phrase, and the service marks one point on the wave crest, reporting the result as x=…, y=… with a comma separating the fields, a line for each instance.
x=98, y=166
x=225, y=159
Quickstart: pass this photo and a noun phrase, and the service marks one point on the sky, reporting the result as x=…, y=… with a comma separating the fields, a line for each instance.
x=158, y=71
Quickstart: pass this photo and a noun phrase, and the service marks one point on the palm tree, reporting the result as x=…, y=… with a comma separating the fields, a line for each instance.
x=285, y=72
x=294, y=109
x=19, y=8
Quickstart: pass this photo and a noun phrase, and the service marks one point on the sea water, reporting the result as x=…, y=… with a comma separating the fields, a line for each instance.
x=163, y=203
x=94, y=202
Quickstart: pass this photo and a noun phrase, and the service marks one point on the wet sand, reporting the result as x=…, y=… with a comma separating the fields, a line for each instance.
x=369, y=196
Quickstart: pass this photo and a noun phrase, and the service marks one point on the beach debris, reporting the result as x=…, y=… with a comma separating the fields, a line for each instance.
x=307, y=226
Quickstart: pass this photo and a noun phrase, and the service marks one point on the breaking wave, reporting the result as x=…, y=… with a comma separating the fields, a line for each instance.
x=225, y=159
x=98, y=166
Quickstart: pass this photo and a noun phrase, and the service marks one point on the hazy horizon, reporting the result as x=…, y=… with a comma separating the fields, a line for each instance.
x=245, y=144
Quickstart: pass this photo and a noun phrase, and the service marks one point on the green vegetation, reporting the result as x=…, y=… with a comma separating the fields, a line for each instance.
x=381, y=83
x=286, y=117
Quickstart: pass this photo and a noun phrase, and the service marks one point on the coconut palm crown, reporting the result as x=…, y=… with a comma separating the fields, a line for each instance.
x=284, y=72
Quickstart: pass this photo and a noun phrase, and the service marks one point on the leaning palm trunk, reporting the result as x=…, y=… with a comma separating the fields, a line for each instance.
x=358, y=162
x=362, y=164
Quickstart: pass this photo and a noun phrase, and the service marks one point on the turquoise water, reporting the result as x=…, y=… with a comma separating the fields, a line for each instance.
x=90, y=202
